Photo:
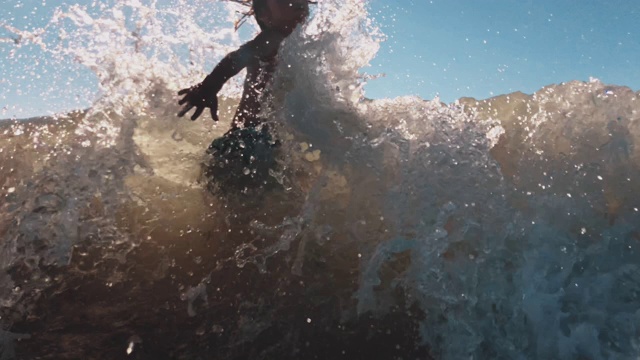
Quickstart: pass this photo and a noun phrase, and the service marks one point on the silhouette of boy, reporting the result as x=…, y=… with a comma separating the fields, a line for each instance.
x=277, y=20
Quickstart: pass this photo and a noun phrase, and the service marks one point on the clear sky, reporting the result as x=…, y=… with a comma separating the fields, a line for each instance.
x=450, y=48
x=482, y=48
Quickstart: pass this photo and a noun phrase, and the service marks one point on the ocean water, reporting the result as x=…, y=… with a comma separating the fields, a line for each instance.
x=398, y=228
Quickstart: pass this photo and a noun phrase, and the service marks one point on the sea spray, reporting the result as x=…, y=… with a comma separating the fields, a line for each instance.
x=504, y=228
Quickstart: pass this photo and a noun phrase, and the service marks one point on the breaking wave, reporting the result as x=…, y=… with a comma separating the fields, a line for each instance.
x=504, y=228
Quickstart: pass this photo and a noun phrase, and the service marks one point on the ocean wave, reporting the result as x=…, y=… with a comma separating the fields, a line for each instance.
x=503, y=228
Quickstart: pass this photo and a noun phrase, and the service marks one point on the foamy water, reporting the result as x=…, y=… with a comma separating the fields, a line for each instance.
x=497, y=229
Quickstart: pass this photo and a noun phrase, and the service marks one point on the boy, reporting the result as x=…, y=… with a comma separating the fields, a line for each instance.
x=277, y=20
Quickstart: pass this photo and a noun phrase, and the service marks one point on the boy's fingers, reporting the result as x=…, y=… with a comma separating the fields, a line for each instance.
x=183, y=91
x=185, y=110
x=214, y=114
x=197, y=113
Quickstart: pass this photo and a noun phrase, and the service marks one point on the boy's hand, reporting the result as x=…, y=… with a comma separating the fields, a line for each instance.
x=198, y=97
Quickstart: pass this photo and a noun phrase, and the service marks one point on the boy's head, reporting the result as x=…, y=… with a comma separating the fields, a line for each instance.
x=280, y=15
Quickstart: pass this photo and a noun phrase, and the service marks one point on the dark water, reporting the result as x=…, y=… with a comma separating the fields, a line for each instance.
x=182, y=291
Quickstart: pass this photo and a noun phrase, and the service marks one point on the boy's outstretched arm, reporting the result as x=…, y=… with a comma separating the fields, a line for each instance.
x=203, y=95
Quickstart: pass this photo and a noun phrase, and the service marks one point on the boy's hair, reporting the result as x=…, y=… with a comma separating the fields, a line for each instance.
x=255, y=6
x=245, y=14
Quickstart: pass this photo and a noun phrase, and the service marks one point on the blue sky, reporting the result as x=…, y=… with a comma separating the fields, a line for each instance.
x=450, y=48
x=482, y=48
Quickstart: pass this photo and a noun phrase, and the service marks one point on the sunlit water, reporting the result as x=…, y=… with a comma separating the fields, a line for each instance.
x=394, y=228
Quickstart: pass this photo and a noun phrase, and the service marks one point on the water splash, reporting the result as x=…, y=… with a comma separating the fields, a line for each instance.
x=504, y=228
